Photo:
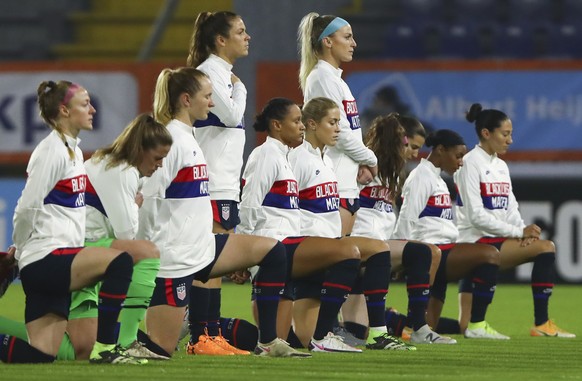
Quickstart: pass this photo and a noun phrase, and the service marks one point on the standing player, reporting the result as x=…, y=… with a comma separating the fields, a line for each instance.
x=488, y=213
x=319, y=206
x=49, y=231
x=426, y=214
x=177, y=217
x=270, y=207
x=326, y=42
x=218, y=40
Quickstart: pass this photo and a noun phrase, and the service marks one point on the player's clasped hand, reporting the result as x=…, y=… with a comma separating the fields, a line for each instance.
x=240, y=276
x=365, y=175
x=532, y=231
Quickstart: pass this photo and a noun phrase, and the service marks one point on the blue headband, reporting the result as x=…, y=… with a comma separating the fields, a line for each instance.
x=332, y=27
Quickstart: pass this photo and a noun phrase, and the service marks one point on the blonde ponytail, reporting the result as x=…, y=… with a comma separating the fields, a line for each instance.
x=162, y=105
x=307, y=47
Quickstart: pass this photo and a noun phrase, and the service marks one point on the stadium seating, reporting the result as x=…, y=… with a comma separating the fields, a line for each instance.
x=398, y=29
x=468, y=29
x=460, y=40
x=465, y=11
x=404, y=40
x=115, y=29
x=421, y=10
x=564, y=40
x=28, y=28
x=571, y=11
x=529, y=10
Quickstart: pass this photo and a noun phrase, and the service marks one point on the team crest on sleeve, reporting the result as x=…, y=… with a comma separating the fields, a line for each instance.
x=225, y=212
x=181, y=291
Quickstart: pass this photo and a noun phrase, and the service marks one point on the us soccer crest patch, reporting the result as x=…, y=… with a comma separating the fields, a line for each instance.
x=225, y=212
x=181, y=291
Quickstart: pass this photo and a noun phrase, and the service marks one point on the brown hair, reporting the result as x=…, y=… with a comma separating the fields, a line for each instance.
x=207, y=27
x=386, y=139
x=141, y=134
x=51, y=96
x=489, y=119
x=275, y=109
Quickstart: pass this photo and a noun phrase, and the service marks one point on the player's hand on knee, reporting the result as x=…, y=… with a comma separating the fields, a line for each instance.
x=527, y=241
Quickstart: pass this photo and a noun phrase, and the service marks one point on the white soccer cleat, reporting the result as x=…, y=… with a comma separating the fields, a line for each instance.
x=279, y=348
x=482, y=330
x=331, y=343
x=140, y=351
x=425, y=335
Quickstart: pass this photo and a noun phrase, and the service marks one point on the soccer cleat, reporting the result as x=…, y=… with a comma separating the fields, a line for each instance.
x=140, y=351
x=482, y=330
x=224, y=344
x=389, y=342
x=550, y=328
x=331, y=343
x=113, y=354
x=279, y=348
x=348, y=337
x=206, y=346
x=425, y=335
x=185, y=329
x=8, y=272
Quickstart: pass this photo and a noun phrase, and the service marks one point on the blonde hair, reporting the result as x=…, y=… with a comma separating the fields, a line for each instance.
x=141, y=134
x=169, y=86
x=316, y=109
x=310, y=28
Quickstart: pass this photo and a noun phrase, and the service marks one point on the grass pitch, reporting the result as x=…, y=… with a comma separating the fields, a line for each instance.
x=521, y=358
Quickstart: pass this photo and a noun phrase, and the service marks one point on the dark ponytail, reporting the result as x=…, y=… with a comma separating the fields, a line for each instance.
x=275, y=109
x=445, y=138
x=489, y=119
x=207, y=27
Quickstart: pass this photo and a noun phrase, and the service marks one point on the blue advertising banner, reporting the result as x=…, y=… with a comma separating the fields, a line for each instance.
x=113, y=94
x=544, y=106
